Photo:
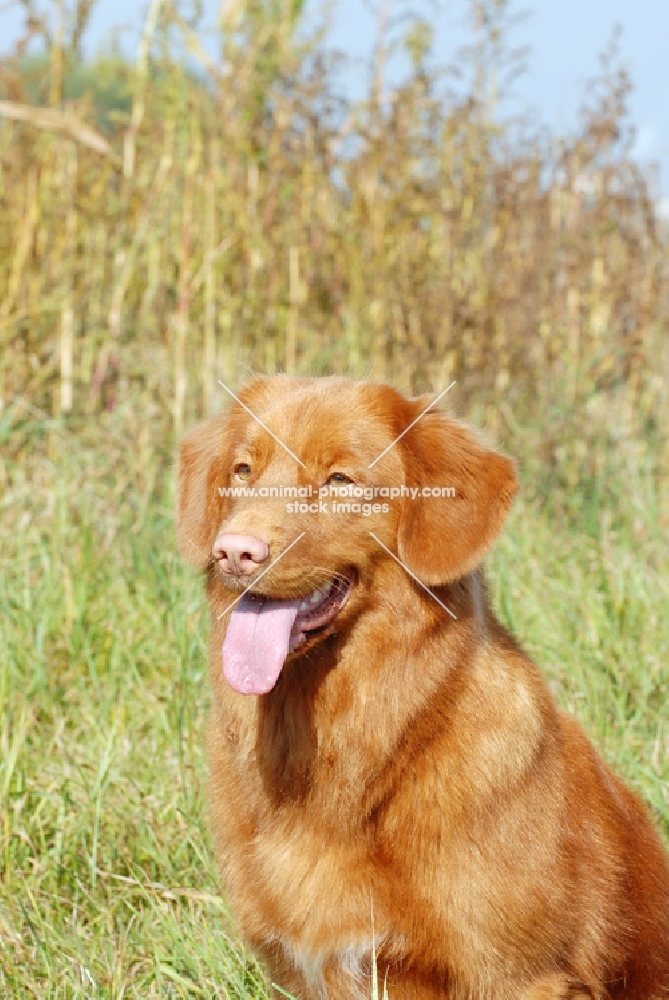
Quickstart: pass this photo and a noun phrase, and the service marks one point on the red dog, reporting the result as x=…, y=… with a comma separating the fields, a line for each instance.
x=390, y=779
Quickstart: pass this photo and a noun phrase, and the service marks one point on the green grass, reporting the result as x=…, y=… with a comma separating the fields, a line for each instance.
x=108, y=888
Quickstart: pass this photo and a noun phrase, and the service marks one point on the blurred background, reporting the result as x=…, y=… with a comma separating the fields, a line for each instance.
x=474, y=191
x=420, y=194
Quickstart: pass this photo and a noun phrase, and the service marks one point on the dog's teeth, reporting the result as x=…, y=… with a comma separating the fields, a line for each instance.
x=303, y=606
x=328, y=587
x=316, y=596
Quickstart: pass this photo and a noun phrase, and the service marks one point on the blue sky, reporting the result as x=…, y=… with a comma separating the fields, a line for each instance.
x=565, y=39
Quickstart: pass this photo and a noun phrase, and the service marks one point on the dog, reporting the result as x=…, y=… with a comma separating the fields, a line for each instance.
x=393, y=792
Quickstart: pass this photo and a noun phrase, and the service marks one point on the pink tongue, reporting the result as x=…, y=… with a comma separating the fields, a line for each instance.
x=256, y=643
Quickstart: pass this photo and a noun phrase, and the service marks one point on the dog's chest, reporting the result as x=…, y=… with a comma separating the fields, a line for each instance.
x=303, y=866
x=347, y=970
x=312, y=896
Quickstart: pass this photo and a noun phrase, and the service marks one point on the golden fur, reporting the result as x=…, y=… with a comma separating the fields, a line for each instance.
x=408, y=787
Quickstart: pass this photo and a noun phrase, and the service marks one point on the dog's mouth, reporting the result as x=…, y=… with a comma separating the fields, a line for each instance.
x=263, y=631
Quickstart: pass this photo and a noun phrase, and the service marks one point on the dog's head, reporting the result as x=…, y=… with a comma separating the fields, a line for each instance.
x=299, y=492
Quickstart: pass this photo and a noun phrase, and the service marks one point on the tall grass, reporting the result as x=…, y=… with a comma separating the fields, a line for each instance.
x=243, y=213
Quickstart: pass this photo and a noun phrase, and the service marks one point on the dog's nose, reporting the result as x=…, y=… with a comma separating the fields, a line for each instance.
x=240, y=555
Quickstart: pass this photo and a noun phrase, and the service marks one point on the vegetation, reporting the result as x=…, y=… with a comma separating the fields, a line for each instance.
x=166, y=223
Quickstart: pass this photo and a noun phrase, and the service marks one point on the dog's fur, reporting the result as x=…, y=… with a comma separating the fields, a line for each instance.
x=407, y=790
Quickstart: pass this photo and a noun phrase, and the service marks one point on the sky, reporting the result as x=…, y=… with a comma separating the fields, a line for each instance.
x=565, y=40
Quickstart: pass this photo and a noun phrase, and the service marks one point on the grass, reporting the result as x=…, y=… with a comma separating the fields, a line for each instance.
x=164, y=221
x=108, y=887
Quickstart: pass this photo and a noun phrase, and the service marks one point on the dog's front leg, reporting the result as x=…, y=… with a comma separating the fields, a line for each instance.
x=557, y=987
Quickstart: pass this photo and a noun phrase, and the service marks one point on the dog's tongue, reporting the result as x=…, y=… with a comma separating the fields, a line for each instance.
x=257, y=642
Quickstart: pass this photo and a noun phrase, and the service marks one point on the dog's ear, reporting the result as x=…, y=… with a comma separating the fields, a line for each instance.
x=441, y=539
x=202, y=469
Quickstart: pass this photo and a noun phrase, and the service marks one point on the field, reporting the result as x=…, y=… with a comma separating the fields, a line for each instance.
x=196, y=230
x=108, y=887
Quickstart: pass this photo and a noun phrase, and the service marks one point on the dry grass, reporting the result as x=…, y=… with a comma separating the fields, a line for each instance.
x=246, y=215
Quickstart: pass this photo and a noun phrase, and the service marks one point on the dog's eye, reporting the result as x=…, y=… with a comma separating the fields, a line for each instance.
x=243, y=470
x=339, y=479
